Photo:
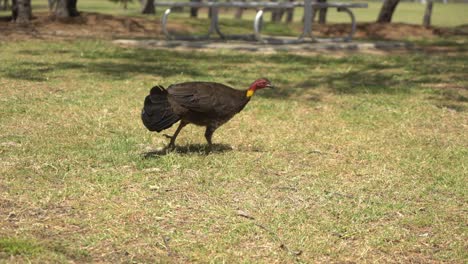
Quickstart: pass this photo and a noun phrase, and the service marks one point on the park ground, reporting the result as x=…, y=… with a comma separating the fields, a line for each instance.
x=354, y=158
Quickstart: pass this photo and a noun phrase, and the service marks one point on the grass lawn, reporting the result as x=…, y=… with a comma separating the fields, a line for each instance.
x=355, y=158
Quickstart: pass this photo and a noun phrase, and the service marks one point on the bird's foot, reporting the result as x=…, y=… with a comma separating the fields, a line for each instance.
x=170, y=147
x=209, y=148
x=168, y=136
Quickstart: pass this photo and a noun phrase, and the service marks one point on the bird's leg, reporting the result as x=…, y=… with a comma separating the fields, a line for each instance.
x=209, y=133
x=173, y=138
x=167, y=136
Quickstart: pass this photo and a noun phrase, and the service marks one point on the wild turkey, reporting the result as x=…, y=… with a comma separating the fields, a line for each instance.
x=206, y=104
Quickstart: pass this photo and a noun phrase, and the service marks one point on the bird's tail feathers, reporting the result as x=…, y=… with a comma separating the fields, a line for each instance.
x=158, y=90
x=157, y=113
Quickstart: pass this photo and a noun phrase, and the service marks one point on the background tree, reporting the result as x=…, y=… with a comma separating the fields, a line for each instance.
x=194, y=10
x=289, y=13
x=386, y=12
x=21, y=11
x=239, y=12
x=428, y=14
x=66, y=8
x=276, y=13
x=51, y=4
x=124, y=3
x=148, y=7
x=322, y=13
x=5, y=4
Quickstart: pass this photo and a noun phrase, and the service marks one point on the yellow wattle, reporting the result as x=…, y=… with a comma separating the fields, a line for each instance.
x=250, y=93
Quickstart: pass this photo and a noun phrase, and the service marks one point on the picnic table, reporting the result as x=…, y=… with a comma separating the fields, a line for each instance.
x=308, y=5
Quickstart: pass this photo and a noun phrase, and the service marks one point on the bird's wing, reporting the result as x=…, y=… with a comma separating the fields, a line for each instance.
x=203, y=97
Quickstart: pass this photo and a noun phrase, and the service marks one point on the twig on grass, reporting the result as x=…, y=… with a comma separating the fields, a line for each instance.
x=316, y=151
x=283, y=246
x=278, y=239
x=177, y=257
x=245, y=215
x=166, y=244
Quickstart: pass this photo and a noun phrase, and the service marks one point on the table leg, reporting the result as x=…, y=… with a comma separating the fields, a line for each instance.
x=258, y=25
x=308, y=11
x=164, y=23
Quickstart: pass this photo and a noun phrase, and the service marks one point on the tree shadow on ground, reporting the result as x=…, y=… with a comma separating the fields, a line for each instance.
x=354, y=82
x=120, y=64
x=200, y=149
x=296, y=76
x=39, y=71
x=398, y=74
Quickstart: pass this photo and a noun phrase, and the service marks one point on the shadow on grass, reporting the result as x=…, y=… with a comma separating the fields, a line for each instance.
x=397, y=74
x=121, y=64
x=353, y=74
x=200, y=149
x=39, y=71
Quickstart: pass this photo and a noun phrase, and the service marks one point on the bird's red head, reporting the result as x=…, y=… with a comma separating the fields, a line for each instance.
x=258, y=84
x=261, y=83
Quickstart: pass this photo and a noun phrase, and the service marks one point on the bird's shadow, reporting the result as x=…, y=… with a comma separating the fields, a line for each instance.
x=200, y=149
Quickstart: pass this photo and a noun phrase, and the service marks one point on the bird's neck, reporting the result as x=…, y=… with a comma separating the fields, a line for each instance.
x=251, y=91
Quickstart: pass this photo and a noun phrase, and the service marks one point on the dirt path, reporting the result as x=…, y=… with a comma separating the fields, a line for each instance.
x=94, y=25
x=109, y=27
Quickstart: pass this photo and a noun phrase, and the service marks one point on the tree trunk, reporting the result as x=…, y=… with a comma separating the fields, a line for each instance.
x=66, y=9
x=322, y=13
x=386, y=12
x=72, y=9
x=148, y=7
x=274, y=13
x=51, y=5
x=281, y=14
x=290, y=13
x=239, y=12
x=194, y=10
x=14, y=10
x=210, y=12
x=323, y=16
x=5, y=5
x=21, y=11
x=61, y=9
x=428, y=14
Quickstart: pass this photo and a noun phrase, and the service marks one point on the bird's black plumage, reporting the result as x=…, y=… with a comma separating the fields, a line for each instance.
x=157, y=113
x=206, y=104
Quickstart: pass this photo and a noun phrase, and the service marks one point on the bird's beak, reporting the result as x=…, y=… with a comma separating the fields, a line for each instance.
x=270, y=86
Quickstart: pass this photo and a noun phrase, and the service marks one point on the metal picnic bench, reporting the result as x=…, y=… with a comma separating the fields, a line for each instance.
x=308, y=5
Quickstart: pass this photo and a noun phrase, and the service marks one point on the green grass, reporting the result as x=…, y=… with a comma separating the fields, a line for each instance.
x=18, y=247
x=355, y=158
x=30, y=250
